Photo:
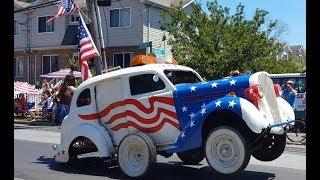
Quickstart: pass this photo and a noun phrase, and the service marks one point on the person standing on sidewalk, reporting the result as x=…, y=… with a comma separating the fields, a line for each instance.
x=289, y=93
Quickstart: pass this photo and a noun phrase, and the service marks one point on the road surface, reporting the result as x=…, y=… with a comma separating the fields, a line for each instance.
x=33, y=159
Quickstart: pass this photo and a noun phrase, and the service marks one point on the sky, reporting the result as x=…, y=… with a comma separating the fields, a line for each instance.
x=290, y=12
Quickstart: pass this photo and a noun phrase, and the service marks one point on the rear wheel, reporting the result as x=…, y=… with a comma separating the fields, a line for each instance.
x=193, y=156
x=271, y=148
x=226, y=150
x=136, y=155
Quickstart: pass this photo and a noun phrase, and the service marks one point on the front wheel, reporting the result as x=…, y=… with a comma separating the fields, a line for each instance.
x=226, y=150
x=272, y=147
x=193, y=156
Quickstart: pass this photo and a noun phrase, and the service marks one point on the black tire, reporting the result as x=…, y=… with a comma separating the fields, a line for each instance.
x=239, y=153
x=194, y=156
x=137, y=154
x=272, y=148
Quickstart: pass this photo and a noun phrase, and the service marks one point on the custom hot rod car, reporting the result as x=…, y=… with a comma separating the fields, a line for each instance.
x=134, y=114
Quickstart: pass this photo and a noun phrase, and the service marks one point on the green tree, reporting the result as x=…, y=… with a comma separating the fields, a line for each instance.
x=214, y=43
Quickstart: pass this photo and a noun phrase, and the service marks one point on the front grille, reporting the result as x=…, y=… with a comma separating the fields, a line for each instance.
x=266, y=87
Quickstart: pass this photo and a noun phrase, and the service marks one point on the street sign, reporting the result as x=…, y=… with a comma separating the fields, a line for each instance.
x=159, y=52
x=145, y=45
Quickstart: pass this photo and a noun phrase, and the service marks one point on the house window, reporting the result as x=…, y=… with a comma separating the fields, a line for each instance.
x=43, y=26
x=18, y=67
x=145, y=83
x=121, y=59
x=120, y=17
x=74, y=18
x=49, y=64
x=16, y=27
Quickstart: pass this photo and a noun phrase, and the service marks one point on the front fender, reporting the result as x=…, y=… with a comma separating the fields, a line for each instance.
x=191, y=136
x=286, y=111
x=98, y=136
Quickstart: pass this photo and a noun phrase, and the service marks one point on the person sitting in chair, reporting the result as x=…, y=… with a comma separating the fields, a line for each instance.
x=42, y=105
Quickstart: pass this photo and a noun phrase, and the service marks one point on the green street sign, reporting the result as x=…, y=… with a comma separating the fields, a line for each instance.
x=145, y=45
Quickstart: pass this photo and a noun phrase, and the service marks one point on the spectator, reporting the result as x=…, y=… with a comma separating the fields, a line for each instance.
x=42, y=105
x=289, y=93
x=65, y=96
x=234, y=72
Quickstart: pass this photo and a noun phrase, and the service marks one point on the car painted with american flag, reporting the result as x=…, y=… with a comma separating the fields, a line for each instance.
x=134, y=114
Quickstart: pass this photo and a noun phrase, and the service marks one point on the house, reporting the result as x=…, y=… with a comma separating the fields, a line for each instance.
x=40, y=48
x=293, y=51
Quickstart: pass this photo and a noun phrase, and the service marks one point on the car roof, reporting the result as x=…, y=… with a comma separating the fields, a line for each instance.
x=132, y=70
x=287, y=75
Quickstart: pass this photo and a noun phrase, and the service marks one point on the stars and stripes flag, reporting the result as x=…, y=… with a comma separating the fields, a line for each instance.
x=88, y=49
x=65, y=7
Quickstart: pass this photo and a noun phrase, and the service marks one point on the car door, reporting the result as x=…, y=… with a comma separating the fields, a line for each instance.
x=109, y=98
x=151, y=108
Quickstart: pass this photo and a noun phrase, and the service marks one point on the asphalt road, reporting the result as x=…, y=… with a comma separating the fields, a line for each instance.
x=33, y=159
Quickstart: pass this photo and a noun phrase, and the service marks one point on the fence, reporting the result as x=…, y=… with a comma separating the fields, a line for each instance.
x=36, y=98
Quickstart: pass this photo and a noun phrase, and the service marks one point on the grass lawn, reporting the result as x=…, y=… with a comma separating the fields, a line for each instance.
x=27, y=119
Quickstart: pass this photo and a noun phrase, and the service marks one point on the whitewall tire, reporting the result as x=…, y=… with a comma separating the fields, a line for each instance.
x=226, y=150
x=137, y=154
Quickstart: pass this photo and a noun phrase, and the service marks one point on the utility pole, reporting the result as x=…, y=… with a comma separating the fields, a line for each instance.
x=94, y=31
x=28, y=45
x=103, y=49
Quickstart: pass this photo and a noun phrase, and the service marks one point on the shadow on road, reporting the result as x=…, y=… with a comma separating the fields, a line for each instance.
x=169, y=171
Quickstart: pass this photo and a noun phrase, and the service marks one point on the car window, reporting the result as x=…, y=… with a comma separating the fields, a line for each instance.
x=178, y=76
x=145, y=83
x=299, y=83
x=84, y=98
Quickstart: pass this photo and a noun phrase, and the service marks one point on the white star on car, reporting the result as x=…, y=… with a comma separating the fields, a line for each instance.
x=193, y=88
x=218, y=103
x=232, y=82
x=251, y=90
x=214, y=84
x=231, y=103
x=191, y=123
x=192, y=115
x=203, y=105
x=182, y=135
x=184, y=109
x=203, y=111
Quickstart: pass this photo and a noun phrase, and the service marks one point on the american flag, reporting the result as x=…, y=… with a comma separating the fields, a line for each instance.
x=87, y=47
x=65, y=7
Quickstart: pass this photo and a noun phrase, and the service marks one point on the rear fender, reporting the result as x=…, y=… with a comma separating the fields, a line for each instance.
x=98, y=136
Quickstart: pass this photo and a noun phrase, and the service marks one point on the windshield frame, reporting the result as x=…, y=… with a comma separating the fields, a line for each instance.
x=186, y=70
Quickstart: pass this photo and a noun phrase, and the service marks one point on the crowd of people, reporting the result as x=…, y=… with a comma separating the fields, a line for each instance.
x=55, y=101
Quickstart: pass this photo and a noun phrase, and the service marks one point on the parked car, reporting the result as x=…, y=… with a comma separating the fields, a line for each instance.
x=134, y=114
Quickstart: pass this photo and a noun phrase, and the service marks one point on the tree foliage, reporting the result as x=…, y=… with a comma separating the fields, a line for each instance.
x=214, y=43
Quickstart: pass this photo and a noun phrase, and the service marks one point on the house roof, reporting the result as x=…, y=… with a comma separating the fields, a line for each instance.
x=168, y=3
x=296, y=48
x=70, y=36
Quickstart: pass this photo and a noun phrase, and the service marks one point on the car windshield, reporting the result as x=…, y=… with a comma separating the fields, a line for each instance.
x=180, y=76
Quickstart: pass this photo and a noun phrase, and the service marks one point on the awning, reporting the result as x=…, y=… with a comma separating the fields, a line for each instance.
x=24, y=88
x=61, y=74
